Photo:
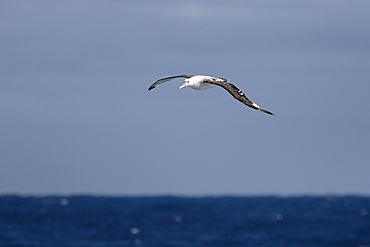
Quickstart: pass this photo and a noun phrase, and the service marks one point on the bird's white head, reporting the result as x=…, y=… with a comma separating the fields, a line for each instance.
x=186, y=83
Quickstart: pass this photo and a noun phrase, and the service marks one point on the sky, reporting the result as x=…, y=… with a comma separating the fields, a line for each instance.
x=76, y=116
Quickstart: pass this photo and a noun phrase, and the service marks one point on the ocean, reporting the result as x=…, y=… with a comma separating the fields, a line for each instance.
x=184, y=221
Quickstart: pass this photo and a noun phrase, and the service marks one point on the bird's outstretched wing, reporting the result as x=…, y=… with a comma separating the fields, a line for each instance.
x=163, y=80
x=237, y=94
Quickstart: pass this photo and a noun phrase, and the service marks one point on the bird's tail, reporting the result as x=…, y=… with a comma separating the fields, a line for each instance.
x=262, y=110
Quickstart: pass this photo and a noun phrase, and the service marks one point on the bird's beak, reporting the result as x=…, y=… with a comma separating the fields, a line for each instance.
x=183, y=85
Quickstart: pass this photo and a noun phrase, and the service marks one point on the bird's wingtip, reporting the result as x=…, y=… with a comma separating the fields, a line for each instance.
x=262, y=110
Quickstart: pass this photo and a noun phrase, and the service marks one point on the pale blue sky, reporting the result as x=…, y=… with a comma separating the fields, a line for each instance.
x=76, y=116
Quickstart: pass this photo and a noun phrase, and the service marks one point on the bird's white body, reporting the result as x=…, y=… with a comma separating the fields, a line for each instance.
x=197, y=82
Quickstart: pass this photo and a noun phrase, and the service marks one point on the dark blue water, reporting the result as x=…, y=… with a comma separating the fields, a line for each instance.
x=175, y=221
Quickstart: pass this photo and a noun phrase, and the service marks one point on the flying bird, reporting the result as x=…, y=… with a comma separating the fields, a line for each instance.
x=201, y=82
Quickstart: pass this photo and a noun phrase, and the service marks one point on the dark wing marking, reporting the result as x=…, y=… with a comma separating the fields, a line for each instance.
x=163, y=80
x=237, y=94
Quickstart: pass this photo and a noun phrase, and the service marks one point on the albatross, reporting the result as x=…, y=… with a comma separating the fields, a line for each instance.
x=201, y=82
